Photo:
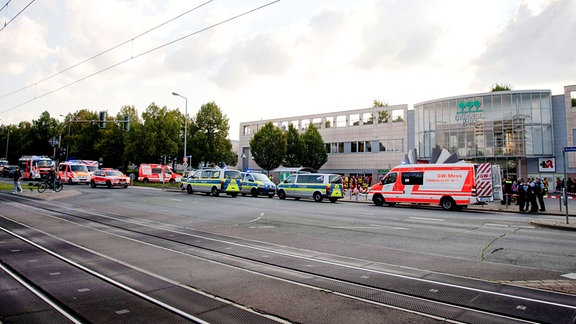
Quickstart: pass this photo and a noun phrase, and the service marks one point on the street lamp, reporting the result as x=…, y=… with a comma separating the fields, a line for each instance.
x=185, y=122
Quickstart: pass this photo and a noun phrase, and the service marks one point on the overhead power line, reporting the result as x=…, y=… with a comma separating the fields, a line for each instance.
x=144, y=53
x=104, y=52
x=18, y=14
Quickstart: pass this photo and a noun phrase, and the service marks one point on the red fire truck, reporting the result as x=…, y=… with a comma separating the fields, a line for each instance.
x=35, y=167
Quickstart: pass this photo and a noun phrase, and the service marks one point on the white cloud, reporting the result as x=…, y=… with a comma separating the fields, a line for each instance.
x=291, y=58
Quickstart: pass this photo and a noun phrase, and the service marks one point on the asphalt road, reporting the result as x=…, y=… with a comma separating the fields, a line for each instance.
x=498, y=247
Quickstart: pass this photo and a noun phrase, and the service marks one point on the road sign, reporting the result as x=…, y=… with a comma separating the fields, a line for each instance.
x=53, y=141
x=184, y=165
x=570, y=149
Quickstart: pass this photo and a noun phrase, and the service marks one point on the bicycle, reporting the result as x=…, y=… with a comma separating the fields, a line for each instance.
x=47, y=184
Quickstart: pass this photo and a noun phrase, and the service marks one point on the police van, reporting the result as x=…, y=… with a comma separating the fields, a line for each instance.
x=257, y=184
x=215, y=181
x=312, y=185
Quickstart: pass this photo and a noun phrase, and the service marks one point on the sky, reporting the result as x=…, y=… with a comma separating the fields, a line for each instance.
x=265, y=59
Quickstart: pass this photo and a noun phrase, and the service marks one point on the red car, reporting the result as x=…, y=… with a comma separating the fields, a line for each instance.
x=109, y=178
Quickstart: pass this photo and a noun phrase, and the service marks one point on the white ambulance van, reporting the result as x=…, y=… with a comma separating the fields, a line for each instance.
x=450, y=185
x=73, y=172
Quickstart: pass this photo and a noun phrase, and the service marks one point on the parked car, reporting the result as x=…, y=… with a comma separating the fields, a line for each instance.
x=8, y=171
x=109, y=178
x=257, y=184
x=312, y=185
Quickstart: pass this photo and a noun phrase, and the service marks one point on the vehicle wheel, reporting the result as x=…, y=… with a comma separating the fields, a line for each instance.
x=189, y=189
x=108, y=184
x=42, y=187
x=281, y=194
x=271, y=196
x=378, y=200
x=317, y=197
x=333, y=200
x=145, y=180
x=448, y=203
x=92, y=184
x=235, y=194
x=254, y=192
x=215, y=192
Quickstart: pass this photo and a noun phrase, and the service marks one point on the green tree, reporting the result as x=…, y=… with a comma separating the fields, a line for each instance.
x=208, y=134
x=38, y=138
x=378, y=104
x=312, y=149
x=159, y=134
x=292, y=147
x=501, y=87
x=268, y=147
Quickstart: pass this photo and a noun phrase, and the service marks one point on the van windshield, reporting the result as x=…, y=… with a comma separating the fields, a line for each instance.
x=261, y=177
x=78, y=168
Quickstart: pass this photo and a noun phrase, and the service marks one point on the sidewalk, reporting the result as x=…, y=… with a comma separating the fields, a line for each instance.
x=553, y=217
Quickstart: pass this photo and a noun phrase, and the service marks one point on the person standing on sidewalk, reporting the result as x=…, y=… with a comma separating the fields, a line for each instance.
x=521, y=187
x=17, y=178
x=532, y=192
x=540, y=194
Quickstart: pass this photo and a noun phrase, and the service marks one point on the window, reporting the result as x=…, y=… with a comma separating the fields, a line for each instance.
x=341, y=121
x=397, y=115
x=329, y=122
x=360, y=147
x=367, y=118
x=413, y=178
x=291, y=179
x=383, y=117
x=368, y=146
x=334, y=178
x=305, y=124
x=354, y=147
x=382, y=146
x=284, y=126
x=247, y=130
x=317, y=122
x=390, y=178
x=355, y=120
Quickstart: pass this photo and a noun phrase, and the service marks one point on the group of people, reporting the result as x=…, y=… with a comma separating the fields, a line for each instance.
x=357, y=184
x=570, y=185
x=529, y=193
x=18, y=176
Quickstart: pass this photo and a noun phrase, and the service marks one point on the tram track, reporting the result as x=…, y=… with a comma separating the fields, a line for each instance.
x=435, y=295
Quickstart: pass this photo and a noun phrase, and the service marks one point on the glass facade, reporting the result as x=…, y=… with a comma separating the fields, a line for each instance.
x=505, y=126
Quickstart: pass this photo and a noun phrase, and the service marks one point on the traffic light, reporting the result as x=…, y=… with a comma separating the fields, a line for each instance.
x=102, y=120
x=126, y=123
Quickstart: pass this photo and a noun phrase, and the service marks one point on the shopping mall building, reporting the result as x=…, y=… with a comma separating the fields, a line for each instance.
x=523, y=131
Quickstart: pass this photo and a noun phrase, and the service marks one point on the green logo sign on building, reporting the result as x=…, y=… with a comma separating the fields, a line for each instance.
x=469, y=112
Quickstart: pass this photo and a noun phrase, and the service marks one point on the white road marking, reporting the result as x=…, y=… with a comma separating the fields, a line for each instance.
x=427, y=219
